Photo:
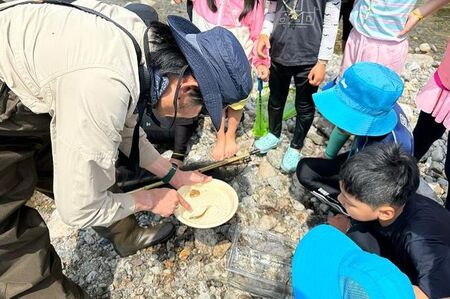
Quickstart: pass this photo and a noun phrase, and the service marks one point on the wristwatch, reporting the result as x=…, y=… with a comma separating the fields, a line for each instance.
x=166, y=179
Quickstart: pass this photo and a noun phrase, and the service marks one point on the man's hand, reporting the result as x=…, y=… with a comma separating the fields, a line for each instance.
x=317, y=74
x=411, y=22
x=262, y=46
x=161, y=201
x=341, y=222
x=182, y=178
x=263, y=72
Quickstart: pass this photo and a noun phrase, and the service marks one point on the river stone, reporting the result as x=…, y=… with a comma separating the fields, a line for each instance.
x=298, y=206
x=425, y=48
x=438, y=155
x=266, y=170
x=315, y=137
x=442, y=182
x=437, y=167
x=267, y=222
x=275, y=156
x=422, y=60
x=221, y=249
x=205, y=240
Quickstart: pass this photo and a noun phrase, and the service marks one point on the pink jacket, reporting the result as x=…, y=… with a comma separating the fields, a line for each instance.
x=227, y=15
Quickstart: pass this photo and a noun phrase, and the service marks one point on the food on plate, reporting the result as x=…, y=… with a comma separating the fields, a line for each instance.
x=194, y=193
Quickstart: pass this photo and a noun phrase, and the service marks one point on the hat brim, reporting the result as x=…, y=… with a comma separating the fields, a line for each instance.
x=316, y=262
x=325, y=258
x=331, y=106
x=203, y=73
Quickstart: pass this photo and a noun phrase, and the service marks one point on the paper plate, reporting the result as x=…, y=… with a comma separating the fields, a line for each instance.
x=221, y=198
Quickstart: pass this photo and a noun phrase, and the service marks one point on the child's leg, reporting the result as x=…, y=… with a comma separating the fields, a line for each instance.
x=234, y=117
x=304, y=106
x=279, y=81
x=426, y=132
x=321, y=178
x=335, y=143
x=218, y=152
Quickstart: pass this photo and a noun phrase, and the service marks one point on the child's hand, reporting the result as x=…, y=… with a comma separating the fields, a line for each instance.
x=263, y=72
x=317, y=74
x=411, y=22
x=262, y=46
x=341, y=222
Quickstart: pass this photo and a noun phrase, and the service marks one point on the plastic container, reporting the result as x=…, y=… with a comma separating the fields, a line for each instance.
x=259, y=262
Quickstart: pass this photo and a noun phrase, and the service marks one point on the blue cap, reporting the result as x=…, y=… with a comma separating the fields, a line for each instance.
x=363, y=100
x=327, y=264
x=218, y=62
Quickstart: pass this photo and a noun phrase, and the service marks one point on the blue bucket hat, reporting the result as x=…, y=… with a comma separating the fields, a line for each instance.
x=218, y=62
x=362, y=102
x=328, y=264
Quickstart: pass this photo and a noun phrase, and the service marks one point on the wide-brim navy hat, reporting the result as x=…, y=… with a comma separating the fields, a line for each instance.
x=362, y=102
x=328, y=264
x=218, y=62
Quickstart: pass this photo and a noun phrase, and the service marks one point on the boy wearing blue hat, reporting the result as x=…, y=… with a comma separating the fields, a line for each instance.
x=377, y=185
x=328, y=264
x=378, y=191
x=364, y=103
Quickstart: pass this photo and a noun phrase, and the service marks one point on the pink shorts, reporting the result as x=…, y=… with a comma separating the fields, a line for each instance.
x=361, y=48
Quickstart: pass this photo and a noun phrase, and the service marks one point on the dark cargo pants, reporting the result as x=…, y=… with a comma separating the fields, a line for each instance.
x=29, y=265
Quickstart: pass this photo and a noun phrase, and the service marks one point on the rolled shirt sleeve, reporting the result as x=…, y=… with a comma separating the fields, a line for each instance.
x=89, y=117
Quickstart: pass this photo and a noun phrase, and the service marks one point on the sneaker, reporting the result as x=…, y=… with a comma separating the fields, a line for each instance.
x=325, y=197
x=267, y=142
x=290, y=160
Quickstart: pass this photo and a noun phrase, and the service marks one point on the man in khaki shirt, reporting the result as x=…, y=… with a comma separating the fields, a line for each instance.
x=76, y=77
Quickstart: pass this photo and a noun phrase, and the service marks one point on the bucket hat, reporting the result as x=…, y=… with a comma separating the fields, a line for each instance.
x=362, y=102
x=218, y=62
x=328, y=264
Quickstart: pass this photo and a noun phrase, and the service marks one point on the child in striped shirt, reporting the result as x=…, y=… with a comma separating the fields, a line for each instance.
x=379, y=34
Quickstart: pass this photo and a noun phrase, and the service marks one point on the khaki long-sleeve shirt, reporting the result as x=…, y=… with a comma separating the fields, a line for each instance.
x=82, y=70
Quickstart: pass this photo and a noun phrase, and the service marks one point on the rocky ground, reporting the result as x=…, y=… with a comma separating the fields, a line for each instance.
x=192, y=264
